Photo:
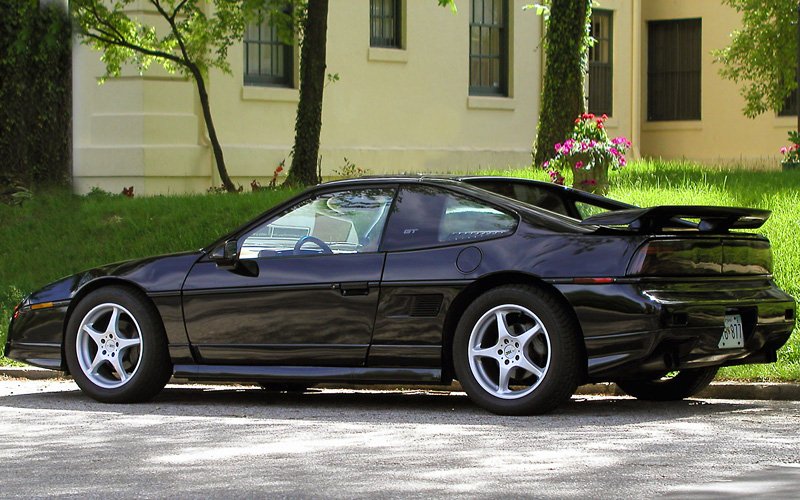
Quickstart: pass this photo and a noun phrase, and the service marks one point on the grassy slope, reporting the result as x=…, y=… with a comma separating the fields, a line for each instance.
x=58, y=234
x=676, y=183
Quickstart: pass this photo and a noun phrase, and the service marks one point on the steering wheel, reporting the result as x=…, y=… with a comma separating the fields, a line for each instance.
x=312, y=239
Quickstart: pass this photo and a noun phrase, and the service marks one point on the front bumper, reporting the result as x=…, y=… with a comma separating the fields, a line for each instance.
x=35, y=337
x=649, y=327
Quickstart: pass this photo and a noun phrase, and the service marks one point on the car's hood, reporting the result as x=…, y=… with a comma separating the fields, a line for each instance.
x=164, y=273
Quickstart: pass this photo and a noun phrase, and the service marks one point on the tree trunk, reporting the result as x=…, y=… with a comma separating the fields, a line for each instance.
x=566, y=64
x=212, y=132
x=308, y=123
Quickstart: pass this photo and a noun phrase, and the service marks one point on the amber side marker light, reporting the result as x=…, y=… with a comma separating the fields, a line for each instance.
x=590, y=281
x=43, y=305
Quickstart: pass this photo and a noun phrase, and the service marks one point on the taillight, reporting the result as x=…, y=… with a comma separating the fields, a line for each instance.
x=747, y=257
x=16, y=311
x=677, y=258
x=684, y=257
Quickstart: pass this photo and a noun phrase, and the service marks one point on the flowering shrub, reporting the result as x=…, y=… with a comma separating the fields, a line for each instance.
x=791, y=153
x=587, y=149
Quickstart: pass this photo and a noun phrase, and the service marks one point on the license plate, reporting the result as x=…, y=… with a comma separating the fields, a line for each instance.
x=733, y=333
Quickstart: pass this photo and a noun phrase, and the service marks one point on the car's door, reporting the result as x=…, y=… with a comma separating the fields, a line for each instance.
x=313, y=301
x=437, y=242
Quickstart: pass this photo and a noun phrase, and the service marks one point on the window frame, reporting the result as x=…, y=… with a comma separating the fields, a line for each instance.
x=380, y=40
x=502, y=90
x=273, y=42
x=790, y=105
x=680, y=95
x=599, y=66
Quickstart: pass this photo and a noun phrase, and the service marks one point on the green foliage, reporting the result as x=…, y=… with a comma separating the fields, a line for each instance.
x=196, y=33
x=567, y=42
x=195, y=36
x=350, y=170
x=35, y=104
x=762, y=56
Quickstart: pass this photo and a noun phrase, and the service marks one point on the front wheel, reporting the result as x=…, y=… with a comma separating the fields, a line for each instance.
x=116, y=348
x=673, y=386
x=516, y=351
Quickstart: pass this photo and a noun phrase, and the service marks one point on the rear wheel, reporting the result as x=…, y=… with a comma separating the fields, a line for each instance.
x=116, y=348
x=515, y=351
x=673, y=386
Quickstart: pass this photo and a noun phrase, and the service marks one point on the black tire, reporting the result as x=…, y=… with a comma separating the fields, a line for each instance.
x=288, y=387
x=684, y=384
x=553, y=350
x=96, y=352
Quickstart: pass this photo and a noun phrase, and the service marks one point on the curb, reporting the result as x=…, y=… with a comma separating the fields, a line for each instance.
x=774, y=391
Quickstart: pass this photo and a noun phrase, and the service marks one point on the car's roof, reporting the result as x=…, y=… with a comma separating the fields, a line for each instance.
x=411, y=178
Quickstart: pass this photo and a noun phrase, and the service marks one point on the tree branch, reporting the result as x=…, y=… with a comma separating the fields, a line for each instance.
x=171, y=20
x=137, y=48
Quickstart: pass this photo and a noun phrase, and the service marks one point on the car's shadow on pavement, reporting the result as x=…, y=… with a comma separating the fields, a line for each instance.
x=365, y=405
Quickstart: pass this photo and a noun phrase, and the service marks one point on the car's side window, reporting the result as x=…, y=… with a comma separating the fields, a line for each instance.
x=425, y=217
x=587, y=209
x=528, y=193
x=342, y=222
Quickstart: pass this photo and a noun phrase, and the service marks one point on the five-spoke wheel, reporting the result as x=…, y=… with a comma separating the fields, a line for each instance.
x=116, y=348
x=509, y=351
x=109, y=345
x=516, y=351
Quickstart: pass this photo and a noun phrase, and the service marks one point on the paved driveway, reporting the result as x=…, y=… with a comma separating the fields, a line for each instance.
x=223, y=441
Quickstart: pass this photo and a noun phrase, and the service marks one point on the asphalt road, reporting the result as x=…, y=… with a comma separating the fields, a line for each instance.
x=224, y=441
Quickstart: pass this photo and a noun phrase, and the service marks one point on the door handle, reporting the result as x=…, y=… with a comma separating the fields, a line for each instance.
x=351, y=289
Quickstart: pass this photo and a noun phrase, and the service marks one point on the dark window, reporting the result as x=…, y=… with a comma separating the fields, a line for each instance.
x=425, y=217
x=526, y=193
x=673, y=70
x=488, y=47
x=600, y=63
x=385, y=23
x=789, y=105
x=267, y=60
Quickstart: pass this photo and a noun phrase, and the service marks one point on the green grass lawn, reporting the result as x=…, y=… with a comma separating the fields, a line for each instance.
x=57, y=234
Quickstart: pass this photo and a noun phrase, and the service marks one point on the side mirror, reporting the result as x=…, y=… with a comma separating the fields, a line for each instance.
x=226, y=255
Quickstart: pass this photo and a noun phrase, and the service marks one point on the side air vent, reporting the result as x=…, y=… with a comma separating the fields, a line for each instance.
x=425, y=305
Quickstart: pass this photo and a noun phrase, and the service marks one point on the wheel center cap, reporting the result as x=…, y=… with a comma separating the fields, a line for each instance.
x=509, y=352
x=110, y=346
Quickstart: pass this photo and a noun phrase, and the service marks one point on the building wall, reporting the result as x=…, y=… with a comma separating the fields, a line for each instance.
x=624, y=119
x=724, y=134
x=391, y=111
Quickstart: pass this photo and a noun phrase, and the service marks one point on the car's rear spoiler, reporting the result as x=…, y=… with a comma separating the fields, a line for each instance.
x=711, y=219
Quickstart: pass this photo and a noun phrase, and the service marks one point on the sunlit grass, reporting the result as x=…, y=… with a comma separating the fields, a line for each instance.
x=57, y=233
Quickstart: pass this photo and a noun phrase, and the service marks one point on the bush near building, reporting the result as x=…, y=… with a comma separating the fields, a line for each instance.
x=35, y=89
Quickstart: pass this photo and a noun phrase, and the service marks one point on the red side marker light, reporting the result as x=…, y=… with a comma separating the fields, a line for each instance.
x=592, y=281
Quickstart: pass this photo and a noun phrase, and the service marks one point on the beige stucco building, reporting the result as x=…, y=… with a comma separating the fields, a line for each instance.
x=420, y=89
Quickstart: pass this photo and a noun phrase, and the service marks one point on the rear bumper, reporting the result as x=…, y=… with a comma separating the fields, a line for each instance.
x=656, y=326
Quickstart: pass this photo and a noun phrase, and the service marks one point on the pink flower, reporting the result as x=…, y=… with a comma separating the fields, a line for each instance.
x=556, y=177
x=558, y=147
x=578, y=164
x=546, y=163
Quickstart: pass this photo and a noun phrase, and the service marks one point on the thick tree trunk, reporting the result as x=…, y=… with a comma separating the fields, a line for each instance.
x=212, y=132
x=312, y=83
x=563, y=92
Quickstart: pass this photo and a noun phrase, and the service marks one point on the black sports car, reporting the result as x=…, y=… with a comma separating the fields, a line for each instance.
x=520, y=290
